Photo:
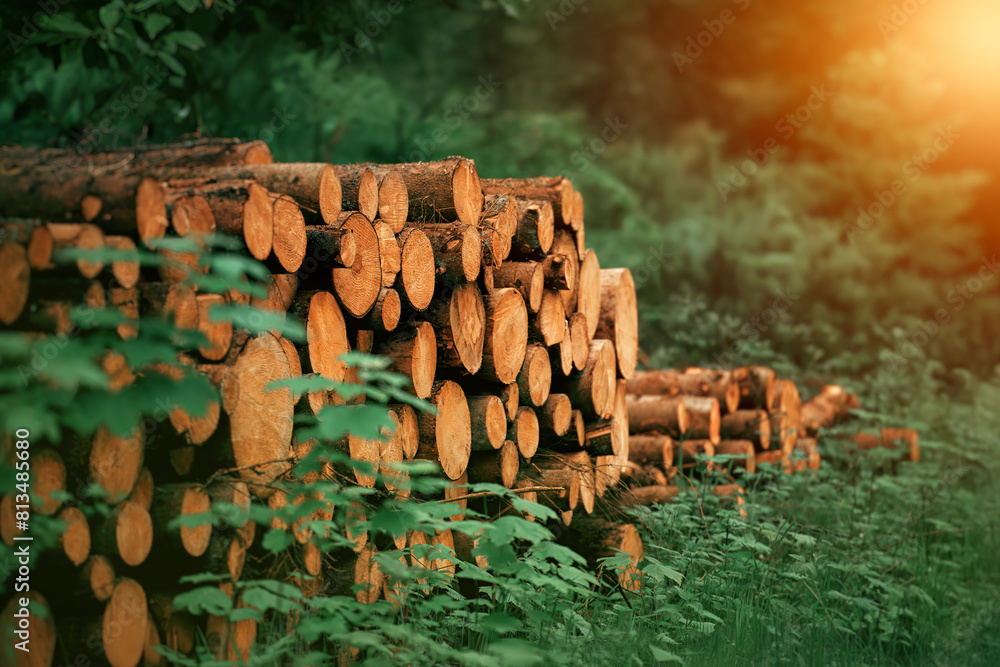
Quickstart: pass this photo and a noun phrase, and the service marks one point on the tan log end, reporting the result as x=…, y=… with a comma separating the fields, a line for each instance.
x=260, y=418
x=357, y=287
x=413, y=353
x=619, y=319
x=150, y=211
x=535, y=377
x=489, y=422
x=510, y=395
x=555, y=416
x=524, y=431
x=75, y=540
x=447, y=436
x=549, y=324
x=527, y=277
x=289, y=234
x=416, y=268
x=124, y=624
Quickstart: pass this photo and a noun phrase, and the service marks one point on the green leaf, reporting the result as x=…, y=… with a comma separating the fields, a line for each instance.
x=110, y=15
x=276, y=540
x=64, y=23
x=207, y=599
x=172, y=63
x=664, y=656
x=187, y=38
x=155, y=23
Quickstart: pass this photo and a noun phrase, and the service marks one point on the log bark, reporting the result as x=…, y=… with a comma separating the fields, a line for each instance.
x=535, y=379
x=557, y=471
x=650, y=495
x=458, y=250
x=260, y=419
x=357, y=287
x=498, y=467
x=619, y=319
x=416, y=268
x=666, y=414
x=535, y=227
x=557, y=273
x=527, y=278
x=129, y=203
x=557, y=191
x=445, y=190
x=384, y=315
x=413, y=351
x=242, y=209
x=499, y=220
x=593, y=390
x=325, y=243
x=359, y=188
x=314, y=186
x=756, y=387
x=704, y=418
x=649, y=448
x=555, y=416
x=489, y=422
x=409, y=429
x=447, y=436
x=524, y=432
x=747, y=425
x=126, y=534
x=180, y=500
x=742, y=451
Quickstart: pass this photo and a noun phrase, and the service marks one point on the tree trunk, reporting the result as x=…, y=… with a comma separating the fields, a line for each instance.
x=241, y=208
x=443, y=191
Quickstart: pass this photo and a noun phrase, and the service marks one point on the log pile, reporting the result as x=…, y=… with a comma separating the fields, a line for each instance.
x=481, y=292
x=679, y=418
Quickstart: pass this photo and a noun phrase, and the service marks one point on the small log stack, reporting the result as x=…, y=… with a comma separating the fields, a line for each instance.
x=481, y=292
x=747, y=414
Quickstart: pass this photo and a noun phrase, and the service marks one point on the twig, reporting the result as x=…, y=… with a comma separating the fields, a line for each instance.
x=487, y=493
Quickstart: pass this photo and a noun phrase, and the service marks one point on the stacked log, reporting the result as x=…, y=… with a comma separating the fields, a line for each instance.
x=482, y=293
x=681, y=420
